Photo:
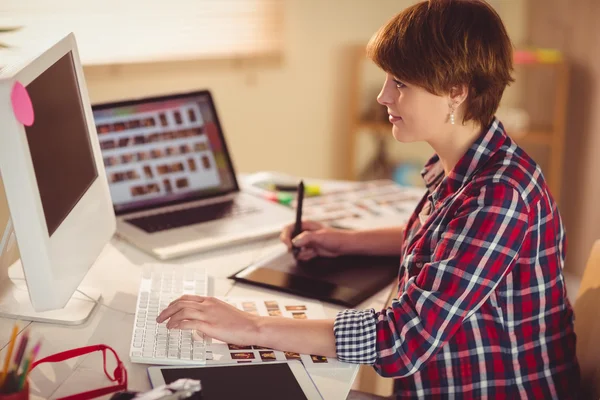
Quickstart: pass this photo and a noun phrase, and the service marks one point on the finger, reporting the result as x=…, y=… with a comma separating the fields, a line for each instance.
x=309, y=225
x=186, y=314
x=175, y=307
x=286, y=236
x=190, y=297
x=303, y=240
x=193, y=325
x=307, y=254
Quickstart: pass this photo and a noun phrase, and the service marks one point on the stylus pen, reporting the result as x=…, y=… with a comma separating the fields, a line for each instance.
x=298, y=227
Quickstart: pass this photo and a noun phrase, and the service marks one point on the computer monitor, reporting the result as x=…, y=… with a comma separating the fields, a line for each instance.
x=55, y=186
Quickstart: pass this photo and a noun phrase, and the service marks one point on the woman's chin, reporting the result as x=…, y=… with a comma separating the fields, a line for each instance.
x=401, y=135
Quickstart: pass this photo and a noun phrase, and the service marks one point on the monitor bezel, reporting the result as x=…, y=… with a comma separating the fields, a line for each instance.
x=54, y=266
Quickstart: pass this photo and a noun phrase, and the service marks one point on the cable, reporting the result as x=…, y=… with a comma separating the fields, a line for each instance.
x=102, y=304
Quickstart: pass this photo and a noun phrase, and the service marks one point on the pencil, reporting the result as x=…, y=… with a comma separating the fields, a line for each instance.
x=11, y=346
x=28, y=364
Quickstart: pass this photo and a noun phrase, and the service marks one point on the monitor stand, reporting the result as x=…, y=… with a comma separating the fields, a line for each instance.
x=15, y=304
x=14, y=295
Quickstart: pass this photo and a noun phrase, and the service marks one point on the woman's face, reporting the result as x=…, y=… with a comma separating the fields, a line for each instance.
x=416, y=114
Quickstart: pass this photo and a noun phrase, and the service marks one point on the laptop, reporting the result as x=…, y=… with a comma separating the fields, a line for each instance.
x=172, y=179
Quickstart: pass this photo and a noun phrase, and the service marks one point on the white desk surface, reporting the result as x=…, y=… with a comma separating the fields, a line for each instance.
x=116, y=273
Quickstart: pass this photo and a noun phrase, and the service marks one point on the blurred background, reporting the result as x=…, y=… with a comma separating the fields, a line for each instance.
x=295, y=93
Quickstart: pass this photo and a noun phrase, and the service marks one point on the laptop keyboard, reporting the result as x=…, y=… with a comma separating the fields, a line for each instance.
x=190, y=216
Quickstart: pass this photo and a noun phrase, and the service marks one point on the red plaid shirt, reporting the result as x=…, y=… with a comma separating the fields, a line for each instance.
x=482, y=309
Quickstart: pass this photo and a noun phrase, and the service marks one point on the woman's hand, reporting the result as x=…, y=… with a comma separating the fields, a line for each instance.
x=212, y=317
x=317, y=240
x=226, y=323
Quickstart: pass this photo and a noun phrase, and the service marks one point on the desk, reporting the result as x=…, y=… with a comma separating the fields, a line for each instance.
x=116, y=273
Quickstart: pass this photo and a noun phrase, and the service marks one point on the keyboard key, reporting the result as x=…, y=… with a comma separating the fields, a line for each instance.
x=153, y=342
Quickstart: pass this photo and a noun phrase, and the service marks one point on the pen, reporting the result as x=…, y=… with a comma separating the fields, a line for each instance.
x=21, y=351
x=11, y=346
x=298, y=227
x=27, y=365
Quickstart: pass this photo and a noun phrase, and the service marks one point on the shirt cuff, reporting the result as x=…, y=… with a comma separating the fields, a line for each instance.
x=355, y=336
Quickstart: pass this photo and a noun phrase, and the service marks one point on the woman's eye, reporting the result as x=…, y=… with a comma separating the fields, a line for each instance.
x=399, y=84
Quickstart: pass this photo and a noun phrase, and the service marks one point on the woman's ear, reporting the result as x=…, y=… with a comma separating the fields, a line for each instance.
x=458, y=95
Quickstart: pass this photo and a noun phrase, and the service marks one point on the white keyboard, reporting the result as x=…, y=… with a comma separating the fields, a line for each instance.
x=153, y=343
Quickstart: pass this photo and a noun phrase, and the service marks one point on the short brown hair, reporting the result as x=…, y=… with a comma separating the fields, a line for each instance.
x=439, y=44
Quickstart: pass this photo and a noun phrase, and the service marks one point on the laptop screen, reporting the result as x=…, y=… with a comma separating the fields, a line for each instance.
x=163, y=150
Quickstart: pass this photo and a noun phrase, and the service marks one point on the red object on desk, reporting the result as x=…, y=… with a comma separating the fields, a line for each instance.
x=119, y=374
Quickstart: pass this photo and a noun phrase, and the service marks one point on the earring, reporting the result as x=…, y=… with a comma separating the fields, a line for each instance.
x=452, y=114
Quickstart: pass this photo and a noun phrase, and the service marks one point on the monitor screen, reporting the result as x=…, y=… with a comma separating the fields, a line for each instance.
x=59, y=141
x=161, y=151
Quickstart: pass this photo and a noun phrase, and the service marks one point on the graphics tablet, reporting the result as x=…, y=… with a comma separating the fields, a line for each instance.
x=273, y=380
x=345, y=280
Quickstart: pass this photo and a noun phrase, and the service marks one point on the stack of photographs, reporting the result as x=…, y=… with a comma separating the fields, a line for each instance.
x=227, y=353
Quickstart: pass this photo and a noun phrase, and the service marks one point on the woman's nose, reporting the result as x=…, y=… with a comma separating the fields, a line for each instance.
x=383, y=97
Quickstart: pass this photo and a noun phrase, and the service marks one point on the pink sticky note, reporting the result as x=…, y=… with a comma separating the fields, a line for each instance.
x=21, y=103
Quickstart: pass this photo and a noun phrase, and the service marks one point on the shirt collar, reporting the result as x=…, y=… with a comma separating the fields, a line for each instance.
x=486, y=145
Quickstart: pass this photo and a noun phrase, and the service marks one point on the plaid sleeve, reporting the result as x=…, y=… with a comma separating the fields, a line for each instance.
x=355, y=336
x=478, y=246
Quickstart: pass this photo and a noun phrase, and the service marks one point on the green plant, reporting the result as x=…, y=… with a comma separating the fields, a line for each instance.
x=7, y=30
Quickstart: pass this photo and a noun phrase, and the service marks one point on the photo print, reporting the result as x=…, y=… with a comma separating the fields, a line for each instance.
x=271, y=305
x=299, y=315
x=318, y=359
x=246, y=355
x=267, y=355
x=296, y=308
x=289, y=355
x=236, y=347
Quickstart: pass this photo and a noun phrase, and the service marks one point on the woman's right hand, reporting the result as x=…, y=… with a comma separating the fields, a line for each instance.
x=316, y=240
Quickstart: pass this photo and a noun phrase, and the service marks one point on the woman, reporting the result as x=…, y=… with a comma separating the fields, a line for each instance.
x=481, y=309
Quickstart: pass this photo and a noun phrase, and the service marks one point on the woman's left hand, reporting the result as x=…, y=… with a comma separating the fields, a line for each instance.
x=212, y=317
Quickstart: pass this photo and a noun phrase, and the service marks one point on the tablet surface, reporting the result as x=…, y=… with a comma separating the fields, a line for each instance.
x=346, y=280
x=275, y=380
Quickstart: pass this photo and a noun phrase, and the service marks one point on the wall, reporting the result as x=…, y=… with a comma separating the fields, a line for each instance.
x=572, y=28
x=277, y=113
x=280, y=113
